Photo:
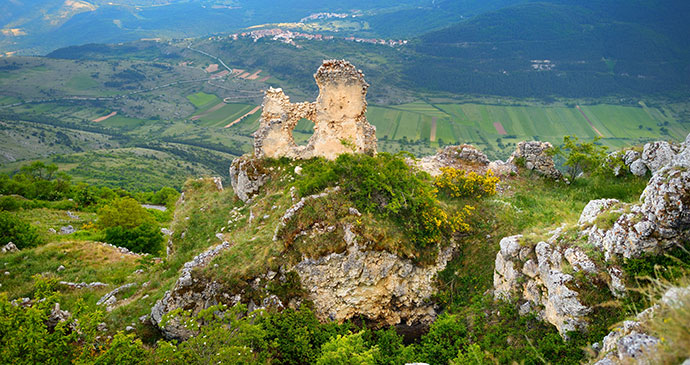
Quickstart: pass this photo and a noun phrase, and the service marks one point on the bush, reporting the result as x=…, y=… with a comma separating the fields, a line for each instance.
x=582, y=157
x=123, y=212
x=145, y=238
x=347, y=349
x=458, y=183
x=385, y=185
x=10, y=203
x=13, y=229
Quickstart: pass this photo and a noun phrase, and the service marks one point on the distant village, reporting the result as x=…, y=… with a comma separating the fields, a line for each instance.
x=288, y=37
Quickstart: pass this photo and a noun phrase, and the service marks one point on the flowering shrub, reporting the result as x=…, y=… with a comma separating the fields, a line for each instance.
x=386, y=186
x=458, y=183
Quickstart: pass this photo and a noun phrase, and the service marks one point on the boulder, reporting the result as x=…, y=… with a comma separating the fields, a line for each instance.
x=67, y=230
x=638, y=168
x=9, y=248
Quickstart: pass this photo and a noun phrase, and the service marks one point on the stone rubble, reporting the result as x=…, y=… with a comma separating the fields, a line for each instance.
x=535, y=156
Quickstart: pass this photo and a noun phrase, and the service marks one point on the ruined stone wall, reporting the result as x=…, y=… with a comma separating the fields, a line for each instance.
x=340, y=124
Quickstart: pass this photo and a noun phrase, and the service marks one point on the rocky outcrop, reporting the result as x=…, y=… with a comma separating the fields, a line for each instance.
x=340, y=124
x=463, y=157
x=360, y=283
x=247, y=176
x=189, y=293
x=376, y=285
x=534, y=156
x=540, y=274
x=535, y=274
x=654, y=156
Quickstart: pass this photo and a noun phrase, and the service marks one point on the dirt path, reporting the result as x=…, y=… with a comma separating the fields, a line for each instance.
x=499, y=128
x=98, y=120
x=432, y=135
x=242, y=117
x=589, y=121
x=213, y=109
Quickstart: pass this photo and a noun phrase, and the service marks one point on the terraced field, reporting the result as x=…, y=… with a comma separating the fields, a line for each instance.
x=477, y=123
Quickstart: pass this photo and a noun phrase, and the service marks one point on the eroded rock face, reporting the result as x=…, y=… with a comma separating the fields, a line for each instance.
x=246, y=177
x=189, y=293
x=340, y=124
x=535, y=157
x=535, y=275
x=379, y=286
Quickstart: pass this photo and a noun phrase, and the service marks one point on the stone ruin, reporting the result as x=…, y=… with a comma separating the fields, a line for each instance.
x=340, y=124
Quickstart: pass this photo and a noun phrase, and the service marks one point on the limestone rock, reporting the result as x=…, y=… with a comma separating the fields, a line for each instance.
x=638, y=168
x=538, y=275
x=534, y=154
x=630, y=156
x=83, y=285
x=379, y=286
x=246, y=177
x=340, y=123
x=189, y=292
x=629, y=342
x=594, y=208
x=463, y=157
x=9, y=247
x=67, y=230
x=657, y=155
x=56, y=316
x=660, y=221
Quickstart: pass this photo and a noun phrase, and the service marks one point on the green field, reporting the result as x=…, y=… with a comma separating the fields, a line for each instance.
x=202, y=99
x=474, y=123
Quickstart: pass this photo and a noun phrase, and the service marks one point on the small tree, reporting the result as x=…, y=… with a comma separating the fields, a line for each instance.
x=123, y=212
x=128, y=224
x=581, y=157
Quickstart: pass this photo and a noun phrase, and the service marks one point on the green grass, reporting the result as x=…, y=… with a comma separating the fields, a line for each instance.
x=201, y=99
x=82, y=82
x=120, y=121
x=225, y=115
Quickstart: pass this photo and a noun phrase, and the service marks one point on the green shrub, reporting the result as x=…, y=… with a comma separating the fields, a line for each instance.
x=145, y=238
x=24, y=334
x=581, y=157
x=296, y=337
x=124, y=212
x=124, y=349
x=385, y=185
x=13, y=229
x=347, y=349
x=10, y=203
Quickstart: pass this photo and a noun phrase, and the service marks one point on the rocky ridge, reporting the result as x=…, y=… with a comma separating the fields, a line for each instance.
x=541, y=275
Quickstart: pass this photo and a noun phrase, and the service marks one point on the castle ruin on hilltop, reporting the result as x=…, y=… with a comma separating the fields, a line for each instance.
x=340, y=123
